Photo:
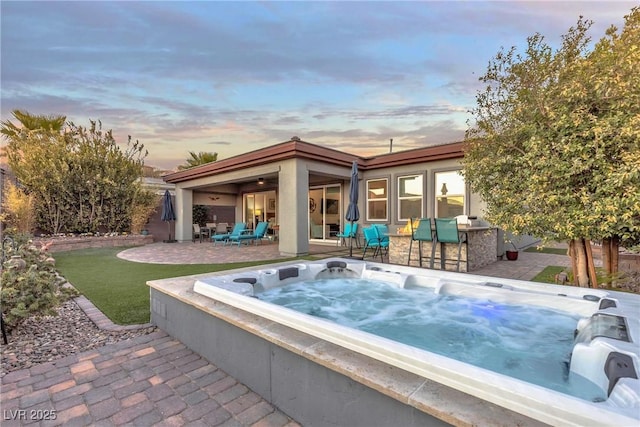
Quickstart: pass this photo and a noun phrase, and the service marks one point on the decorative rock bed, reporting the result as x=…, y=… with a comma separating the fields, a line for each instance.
x=46, y=338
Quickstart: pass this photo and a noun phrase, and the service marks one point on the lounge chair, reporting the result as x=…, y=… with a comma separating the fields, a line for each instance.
x=251, y=235
x=224, y=237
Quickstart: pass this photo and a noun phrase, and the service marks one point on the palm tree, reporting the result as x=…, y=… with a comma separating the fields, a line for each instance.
x=198, y=159
x=30, y=121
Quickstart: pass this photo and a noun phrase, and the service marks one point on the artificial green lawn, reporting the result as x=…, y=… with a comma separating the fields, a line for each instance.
x=548, y=275
x=118, y=287
x=555, y=251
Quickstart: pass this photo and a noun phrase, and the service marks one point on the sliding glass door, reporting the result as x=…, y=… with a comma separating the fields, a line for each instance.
x=259, y=207
x=325, y=212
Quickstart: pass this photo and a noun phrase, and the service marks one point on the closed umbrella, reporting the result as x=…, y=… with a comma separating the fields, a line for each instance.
x=168, y=214
x=353, y=214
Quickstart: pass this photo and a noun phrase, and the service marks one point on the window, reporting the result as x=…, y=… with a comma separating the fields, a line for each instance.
x=410, y=190
x=377, y=200
x=450, y=194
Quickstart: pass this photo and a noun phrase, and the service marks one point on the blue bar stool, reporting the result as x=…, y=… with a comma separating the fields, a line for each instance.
x=422, y=233
x=447, y=232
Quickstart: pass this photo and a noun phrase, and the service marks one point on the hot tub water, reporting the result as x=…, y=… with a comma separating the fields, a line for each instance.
x=526, y=342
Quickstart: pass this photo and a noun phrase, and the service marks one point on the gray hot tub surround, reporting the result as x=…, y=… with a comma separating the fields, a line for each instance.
x=320, y=373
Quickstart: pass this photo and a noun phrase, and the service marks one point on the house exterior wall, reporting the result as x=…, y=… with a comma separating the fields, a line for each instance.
x=295, y=166
x=473, y=203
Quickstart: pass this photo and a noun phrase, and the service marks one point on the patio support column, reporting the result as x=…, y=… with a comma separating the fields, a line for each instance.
x=293, y=208
x=184, y=214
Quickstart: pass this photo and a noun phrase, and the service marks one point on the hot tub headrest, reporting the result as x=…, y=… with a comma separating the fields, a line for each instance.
x=618, y=365
x=607, y=303
x=338, y=264
x=287, y=273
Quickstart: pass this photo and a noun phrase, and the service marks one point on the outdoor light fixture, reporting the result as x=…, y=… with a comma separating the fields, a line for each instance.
x=260, y=181
x=444, y=190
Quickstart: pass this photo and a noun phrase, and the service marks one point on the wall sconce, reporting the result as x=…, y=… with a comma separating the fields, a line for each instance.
x=260, y=181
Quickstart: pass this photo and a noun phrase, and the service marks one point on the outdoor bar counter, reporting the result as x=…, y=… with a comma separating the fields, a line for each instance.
x=481, y=249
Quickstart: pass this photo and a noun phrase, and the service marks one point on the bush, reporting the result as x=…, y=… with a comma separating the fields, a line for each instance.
x=200, y=214
x=33, y=288
x=19, y=209
x=144, y=205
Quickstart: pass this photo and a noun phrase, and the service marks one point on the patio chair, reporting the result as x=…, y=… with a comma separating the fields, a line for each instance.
x=221, y=227
x=350, y=232
x=197, y=233
x=251, y=235
x=447, y=232
x=422, y=233
x=224, y=237
x=383, y=237
x=376, y=240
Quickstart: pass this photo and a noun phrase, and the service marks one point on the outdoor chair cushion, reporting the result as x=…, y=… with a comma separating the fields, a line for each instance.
x=251, y=235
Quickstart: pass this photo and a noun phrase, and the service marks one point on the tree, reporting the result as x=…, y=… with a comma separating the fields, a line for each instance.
x=554, y=149
x=32, y=122
x=198, y=159
x=81, y=180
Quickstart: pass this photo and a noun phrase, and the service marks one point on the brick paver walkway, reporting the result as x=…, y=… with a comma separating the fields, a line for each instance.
x=152, y=380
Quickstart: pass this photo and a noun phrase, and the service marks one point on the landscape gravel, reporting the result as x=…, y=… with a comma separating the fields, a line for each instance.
x=46, y=338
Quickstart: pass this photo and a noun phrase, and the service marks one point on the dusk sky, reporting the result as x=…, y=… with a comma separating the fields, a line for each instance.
x=231, y=77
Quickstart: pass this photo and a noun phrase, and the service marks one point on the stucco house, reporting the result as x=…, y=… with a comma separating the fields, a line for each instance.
x=303, y=188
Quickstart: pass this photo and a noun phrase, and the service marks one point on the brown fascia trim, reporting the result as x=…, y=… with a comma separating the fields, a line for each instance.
x=301, y=149
x=417, y=155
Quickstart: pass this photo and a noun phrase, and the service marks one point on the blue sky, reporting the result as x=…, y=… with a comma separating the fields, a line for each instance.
x=230, y=77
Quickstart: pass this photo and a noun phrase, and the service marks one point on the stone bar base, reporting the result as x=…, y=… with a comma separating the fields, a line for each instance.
x=479, y=251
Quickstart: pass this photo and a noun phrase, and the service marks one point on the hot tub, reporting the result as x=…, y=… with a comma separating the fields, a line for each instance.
x=607, y=352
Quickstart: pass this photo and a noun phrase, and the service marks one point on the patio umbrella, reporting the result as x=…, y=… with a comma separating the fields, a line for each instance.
x=168, y=214
x=353, y=214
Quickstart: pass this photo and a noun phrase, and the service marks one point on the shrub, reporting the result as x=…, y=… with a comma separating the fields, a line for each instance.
x=144, y=205
x=19, y=209
x=34, y=289
x=200, y=214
